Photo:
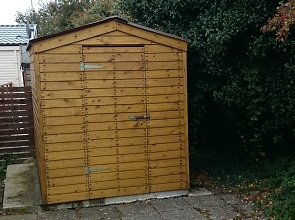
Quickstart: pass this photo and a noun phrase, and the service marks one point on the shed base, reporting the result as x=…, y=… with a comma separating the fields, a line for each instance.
x=116, y=200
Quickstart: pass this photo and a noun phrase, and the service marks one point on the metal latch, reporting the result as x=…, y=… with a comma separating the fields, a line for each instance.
x=89, y=170
x=139, y=117
x=84, y=66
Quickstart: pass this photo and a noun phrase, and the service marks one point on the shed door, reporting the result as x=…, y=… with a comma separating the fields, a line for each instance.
x=115, y=94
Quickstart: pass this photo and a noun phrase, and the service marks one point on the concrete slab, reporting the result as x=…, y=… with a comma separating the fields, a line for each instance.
x=200, y=192
x=19, y=217
x=22, y=191
x=106, y=212
x=183, y=214
x=135, y=209
x=165, y=205
x=59, y=215
x=145, y=216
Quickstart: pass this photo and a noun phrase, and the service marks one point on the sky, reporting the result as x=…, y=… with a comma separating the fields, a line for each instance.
x=9, y=8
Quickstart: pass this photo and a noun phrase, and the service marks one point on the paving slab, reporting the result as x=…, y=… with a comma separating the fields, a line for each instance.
x=59, y=215
x=183, y=215
x=19, y=217
x=22, y=190
x=200, y=192
x=144, y=216
x=107, y=212
x=135, y=209
x=223, y=213
x=230, y=199
x=164, y=205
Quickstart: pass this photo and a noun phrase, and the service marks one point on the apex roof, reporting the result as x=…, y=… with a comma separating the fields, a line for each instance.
x=14, y=35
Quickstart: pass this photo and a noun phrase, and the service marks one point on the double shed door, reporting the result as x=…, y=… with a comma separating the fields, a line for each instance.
x=128, y=152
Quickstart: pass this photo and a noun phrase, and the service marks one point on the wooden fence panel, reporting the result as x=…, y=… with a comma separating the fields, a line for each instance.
x=16, y=122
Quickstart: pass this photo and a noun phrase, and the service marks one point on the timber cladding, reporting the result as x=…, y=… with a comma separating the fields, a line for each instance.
x=110, y=110
x=16, y=123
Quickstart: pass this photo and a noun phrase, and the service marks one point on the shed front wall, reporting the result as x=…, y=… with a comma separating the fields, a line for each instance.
x=91, y=148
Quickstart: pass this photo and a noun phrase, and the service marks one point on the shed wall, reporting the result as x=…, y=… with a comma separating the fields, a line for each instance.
x=66, y=125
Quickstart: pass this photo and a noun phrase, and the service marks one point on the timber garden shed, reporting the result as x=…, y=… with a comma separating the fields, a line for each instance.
x=110, y=111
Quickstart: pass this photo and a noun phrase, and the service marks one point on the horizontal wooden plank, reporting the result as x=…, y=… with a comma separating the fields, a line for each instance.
x=115, y=125
x=64, y=147
x=164, y=82
x=131, y=83
x=114, y=75
x=14, y=101
x=156, y=74
x=117, y=92
x=94, y=161
x=168, y=179
x=66, y=85
x=164, y=90
x=167, y=155
x=61, y=190
x=62, y=94
x=158, y=48
x=120, y=49
x=166, y=147
x=165, y=123
x=60, y=164
x=117, y=142
x=173, y=106
x=61, y=76
x=137, y=108
x=114, y=56
x=66, y=172
x=16, y=119
x=133, y=174
x=165, y=98
x=166, y=139
x=97, y=152
x=80, y=196
x=173, y=162
x=112, y=167
x=12, y=132
x=68, y=120
x=13, y=150
x=65, y=155
x=63, y=138
x=115, y=184
x=65, y=49
x=118, y=192
x=94, y=135
x=163, y=57
x=167, y=171
x=73, y=111
x=60, y=67
x=14, y=89
x=114, y=40
x=177, y=114
x=16, y=143
x=164, y=65
x=166, y=131
x=69, y=180
x=13, y=138
x=55, y=103
x=112, y=66
x=59, y=58
x=64, y=129
x=15, y=108
x=168, y=186
x=16, y=114
x=115, y=100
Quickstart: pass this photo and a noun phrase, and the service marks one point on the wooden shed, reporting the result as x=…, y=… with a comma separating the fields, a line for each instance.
x=110, y=111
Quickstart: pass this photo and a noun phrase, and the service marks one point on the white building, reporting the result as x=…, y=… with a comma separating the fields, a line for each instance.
x=13, y=57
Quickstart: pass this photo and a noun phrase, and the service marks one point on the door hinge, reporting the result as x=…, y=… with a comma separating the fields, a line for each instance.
x=84, y=66
x=89, y=170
